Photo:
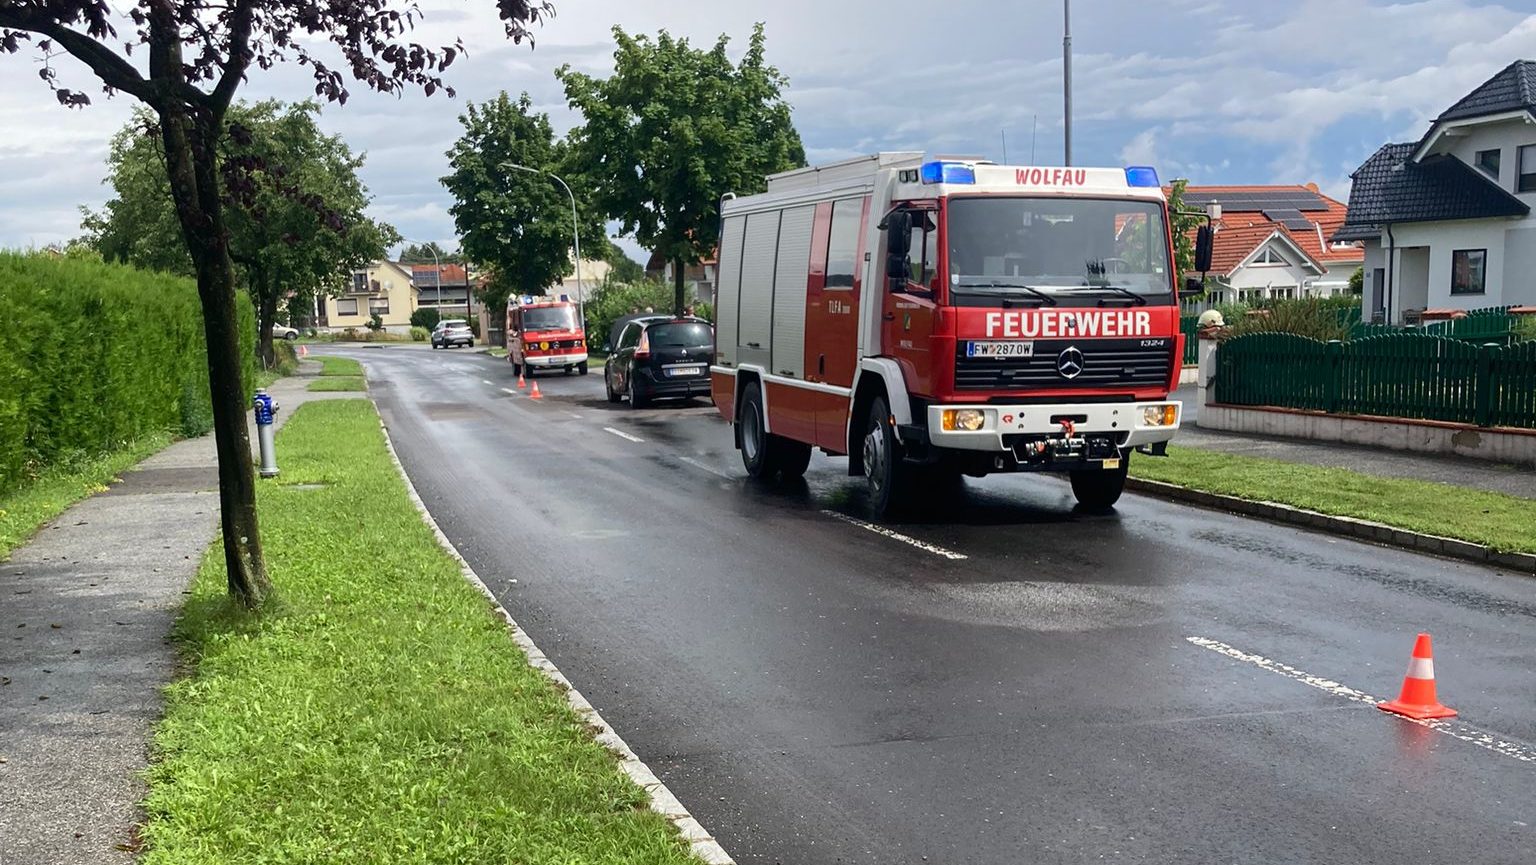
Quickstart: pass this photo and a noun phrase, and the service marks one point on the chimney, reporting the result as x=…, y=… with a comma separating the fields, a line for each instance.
x=1312, y=187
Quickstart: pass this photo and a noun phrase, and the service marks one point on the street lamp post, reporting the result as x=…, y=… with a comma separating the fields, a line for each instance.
x=1066, y=75
x=438, y=265
x=581, y=292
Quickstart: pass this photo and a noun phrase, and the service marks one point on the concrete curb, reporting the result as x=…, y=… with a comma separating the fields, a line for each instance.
x=1365, y=530
x=704, y=846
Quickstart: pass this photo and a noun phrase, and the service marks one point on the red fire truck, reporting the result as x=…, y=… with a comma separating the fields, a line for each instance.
x=545, y=333
x=950, y=317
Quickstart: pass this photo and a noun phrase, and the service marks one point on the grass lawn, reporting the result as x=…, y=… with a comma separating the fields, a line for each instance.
x=497, y=352
x=26, y=509
x=337, y=383
x=377, y=711
x=1506, y=523
x=338, y=365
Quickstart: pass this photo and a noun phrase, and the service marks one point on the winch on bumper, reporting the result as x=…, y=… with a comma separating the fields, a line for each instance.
x=1056, y=436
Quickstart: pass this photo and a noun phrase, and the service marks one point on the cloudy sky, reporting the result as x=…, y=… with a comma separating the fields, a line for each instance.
x=1220, y=91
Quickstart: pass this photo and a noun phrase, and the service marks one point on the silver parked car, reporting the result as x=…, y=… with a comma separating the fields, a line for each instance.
x=451, y=333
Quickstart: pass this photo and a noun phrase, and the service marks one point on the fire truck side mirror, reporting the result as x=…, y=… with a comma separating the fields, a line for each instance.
x=898, y=232
x=1204, y=246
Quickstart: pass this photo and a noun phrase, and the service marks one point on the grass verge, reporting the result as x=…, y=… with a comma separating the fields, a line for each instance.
x=28, y=508
x=338, y=365
x=377, y=711
x=334, y=383
x=1504, y=522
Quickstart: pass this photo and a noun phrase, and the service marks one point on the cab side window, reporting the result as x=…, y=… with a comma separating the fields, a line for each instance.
x=924, y=256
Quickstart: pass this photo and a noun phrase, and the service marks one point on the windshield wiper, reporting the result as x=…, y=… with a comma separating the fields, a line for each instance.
x=1044, y=298
x=1140, y=299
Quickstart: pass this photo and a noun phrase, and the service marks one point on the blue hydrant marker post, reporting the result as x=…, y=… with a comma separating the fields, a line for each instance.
x=265, y=408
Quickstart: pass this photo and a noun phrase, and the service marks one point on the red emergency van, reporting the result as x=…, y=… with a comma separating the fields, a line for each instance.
x=937, y=318
x=545, y=333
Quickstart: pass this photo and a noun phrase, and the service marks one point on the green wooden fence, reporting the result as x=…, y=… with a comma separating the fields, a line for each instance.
x=1189, y=325
x=1494, y=324
x=1405, y=375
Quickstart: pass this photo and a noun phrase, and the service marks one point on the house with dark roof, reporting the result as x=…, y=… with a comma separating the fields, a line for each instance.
x=1275, y=242
x=1446, y=220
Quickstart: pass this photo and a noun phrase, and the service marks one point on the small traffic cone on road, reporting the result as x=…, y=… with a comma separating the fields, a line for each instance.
x=1418, y=700
x=303, y=351
x=535, y=394
x=521, y=383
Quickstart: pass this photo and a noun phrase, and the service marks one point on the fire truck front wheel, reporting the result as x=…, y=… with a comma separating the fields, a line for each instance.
x=884, y=472
x=1099, y=489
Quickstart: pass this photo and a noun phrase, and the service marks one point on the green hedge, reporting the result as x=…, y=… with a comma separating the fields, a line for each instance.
x=95, y=355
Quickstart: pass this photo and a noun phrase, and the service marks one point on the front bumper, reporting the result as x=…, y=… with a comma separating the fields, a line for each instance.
x=553, y=360
x=1005, y=425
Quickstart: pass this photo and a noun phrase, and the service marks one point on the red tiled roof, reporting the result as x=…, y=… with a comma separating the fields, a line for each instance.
x=1240, y=232
x=451, y=274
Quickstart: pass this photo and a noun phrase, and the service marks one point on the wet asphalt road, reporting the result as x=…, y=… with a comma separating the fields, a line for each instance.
x=816, y=692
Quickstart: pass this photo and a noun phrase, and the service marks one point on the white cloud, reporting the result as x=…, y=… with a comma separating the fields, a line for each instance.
x=1218, y=90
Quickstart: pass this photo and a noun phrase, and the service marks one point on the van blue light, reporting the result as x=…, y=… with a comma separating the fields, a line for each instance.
x=948, y=172
x=1141, y=175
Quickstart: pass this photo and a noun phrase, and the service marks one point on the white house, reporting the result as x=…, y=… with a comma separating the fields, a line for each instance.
x=1447, y=220
x=1272, y=242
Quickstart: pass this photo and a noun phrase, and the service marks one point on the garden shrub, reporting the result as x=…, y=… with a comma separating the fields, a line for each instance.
x=94, y=355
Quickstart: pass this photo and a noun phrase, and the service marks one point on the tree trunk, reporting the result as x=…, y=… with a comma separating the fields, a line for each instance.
x=266, y=312
x=677, y=287
x=191, y=160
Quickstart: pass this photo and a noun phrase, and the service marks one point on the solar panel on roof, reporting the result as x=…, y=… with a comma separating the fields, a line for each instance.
x=1249, y=200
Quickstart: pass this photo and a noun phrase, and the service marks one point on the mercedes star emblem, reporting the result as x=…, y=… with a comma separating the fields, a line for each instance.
x=1070, y=362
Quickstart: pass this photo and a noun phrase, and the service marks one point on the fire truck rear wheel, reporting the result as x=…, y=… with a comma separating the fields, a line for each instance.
x=764, y=454
x=1099, y=489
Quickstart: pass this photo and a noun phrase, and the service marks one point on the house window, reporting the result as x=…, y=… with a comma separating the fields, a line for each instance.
x=1468, y=269
x=1269, y=256
x=346, y=306
x=378, y=307
x=1527, y=181
x=1488, y=161
x=359, y=282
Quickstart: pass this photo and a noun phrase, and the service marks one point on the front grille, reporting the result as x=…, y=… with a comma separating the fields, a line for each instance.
x=1106, y=363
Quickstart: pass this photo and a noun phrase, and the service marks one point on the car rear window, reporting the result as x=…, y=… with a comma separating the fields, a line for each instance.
x=687, y=334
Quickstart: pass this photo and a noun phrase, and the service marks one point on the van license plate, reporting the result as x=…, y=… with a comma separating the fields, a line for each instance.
x=1012, y=348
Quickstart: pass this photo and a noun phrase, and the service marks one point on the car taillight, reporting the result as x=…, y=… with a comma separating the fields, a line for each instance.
x=643, y=350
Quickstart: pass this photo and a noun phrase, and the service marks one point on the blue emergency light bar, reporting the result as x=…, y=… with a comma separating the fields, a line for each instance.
x=947, y=172
x=1141, y=175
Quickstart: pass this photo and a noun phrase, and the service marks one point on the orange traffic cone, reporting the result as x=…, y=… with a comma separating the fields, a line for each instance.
x=303, y=351
x=535, y=394
x=521, y=384
x=1418, y=700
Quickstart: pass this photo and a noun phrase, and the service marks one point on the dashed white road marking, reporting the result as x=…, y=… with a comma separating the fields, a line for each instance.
x=897, y=536
x=509, y=391
x=706, y=467
x=1450, y=727
x=575, y=415
x=623, y=435
x=489, y=382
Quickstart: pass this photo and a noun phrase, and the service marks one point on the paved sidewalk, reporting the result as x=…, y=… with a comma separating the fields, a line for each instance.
x=1454, y=470
x=85, y=612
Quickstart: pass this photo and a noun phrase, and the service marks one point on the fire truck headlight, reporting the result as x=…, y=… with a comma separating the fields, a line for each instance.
x=968, y=419
x=1160, y=415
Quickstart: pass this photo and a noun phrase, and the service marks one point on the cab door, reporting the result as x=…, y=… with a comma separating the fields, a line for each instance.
x=909, y=305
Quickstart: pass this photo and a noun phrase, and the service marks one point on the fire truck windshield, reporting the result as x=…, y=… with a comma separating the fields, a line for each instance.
x=1057, y=247
x=549, y=318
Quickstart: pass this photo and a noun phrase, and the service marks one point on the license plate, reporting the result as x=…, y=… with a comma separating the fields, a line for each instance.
x=1112, y=464
x=1012, y=348
x=674, y=371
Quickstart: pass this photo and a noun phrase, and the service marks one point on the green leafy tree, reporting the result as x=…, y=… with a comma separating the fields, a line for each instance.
x=298, y=231
x=674, y=129
x=622, y=268
x=423, y=253
x=1357, y=281
x=515, y=224
x=1185, y=224
x=197, y=53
